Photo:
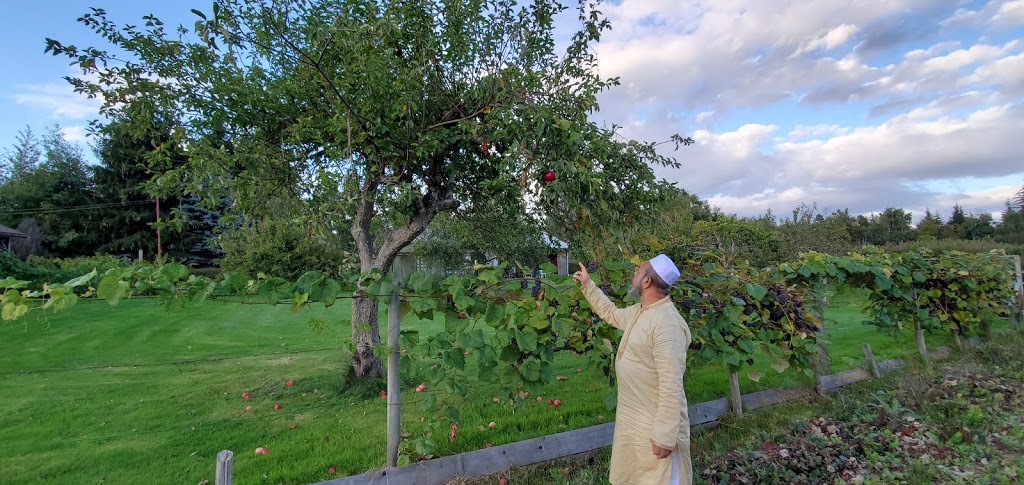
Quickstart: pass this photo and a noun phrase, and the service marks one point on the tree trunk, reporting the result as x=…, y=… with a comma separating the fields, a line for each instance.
x=365, y=330
x=366, y=336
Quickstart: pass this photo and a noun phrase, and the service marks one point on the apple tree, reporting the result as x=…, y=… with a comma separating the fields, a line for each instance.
x=382, y=113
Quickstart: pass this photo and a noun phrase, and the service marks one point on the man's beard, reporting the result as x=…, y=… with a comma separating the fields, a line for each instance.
x=634, y=291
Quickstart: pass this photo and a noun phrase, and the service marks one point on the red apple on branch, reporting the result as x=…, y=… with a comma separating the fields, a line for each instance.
x=549, y=176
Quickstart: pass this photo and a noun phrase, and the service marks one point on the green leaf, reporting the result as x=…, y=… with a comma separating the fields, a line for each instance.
x=494, y=314
x=309, y=281
x=404, y=309
x=780, y=365
x=454, y=324
x=199, y=14
x=462, y=300
x=454, y=358
x=757, y=291
x=14, y=311
x=531, y=371
x=81, y=280
x=561, y=326
x=754, y=375
x=112, y=289
x=527, y=340
x=173, y=271
x=234, y=282
x=327, y=292
x=10, y=282
x=274, y=290
x=422, y=282
x=62, y=301
x=453, y=415
x=510, y=354
x=299, y=301
x=427, y=402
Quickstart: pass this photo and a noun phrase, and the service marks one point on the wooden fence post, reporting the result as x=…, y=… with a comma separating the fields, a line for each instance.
x=394, y=379
x=225, y=467
x=956, y=340
x=735, y=398
x=872, y=365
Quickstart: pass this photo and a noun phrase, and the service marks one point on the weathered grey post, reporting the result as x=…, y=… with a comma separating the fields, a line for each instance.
x=225, y=467
x=822, y=363
x=735, y=398
x=1017, y=304
x=872, y=365
x=394, y=380
x=922, y=348
x=956, y=340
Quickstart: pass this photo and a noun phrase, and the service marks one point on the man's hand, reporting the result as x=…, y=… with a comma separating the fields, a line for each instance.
x=660, y=452
x=582, y=276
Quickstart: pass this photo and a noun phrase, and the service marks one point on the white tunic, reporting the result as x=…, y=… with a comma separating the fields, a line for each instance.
x=651, y=401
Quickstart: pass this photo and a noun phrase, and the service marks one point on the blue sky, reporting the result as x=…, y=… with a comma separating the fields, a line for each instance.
x=861, y=105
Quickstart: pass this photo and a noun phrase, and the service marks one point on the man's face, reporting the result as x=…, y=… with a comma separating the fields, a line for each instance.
x=638, y=278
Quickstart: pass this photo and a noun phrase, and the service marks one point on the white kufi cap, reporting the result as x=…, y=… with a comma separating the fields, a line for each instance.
x=665, y=268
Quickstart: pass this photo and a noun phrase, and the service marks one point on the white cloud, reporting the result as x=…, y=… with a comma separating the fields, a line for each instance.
x=802, y=131
x=1010, y=14
x=704, y=117
x=74, y=134
x=1006, y=73
x=830, y=40
x=59, y=100
x=895, y=94
x=728, y=54
x=991, y=200
x=862, y=168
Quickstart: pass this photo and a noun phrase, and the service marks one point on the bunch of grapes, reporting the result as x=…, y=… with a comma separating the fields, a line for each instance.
x=592, y=266
x=523, y=284
x=606, y=287
x=536, y=288
x=787, y=302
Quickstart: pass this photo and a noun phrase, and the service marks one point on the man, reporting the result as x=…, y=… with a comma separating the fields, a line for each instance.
x=651, y=444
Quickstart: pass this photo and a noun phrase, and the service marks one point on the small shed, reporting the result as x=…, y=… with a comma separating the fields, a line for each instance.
x=7, y=235
x=558, y=254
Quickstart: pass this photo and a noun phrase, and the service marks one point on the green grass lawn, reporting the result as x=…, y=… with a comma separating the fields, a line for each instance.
x=148, y=422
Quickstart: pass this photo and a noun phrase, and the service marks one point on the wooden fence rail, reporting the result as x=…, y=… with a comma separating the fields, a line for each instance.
x=494, y=460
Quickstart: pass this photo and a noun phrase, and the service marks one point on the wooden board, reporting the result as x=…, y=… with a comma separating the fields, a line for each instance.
x=494, y=460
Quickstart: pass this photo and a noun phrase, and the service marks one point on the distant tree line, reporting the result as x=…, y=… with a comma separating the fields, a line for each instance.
x=70, y=207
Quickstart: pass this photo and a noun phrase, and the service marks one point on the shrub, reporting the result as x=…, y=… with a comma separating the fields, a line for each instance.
x=282, y=248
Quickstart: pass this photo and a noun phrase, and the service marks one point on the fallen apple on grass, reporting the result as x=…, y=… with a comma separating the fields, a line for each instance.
x=332, y=470
x=262, y=451
x=277, y=406
x=290, y=383
x=245, y=395
x=248, y=408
